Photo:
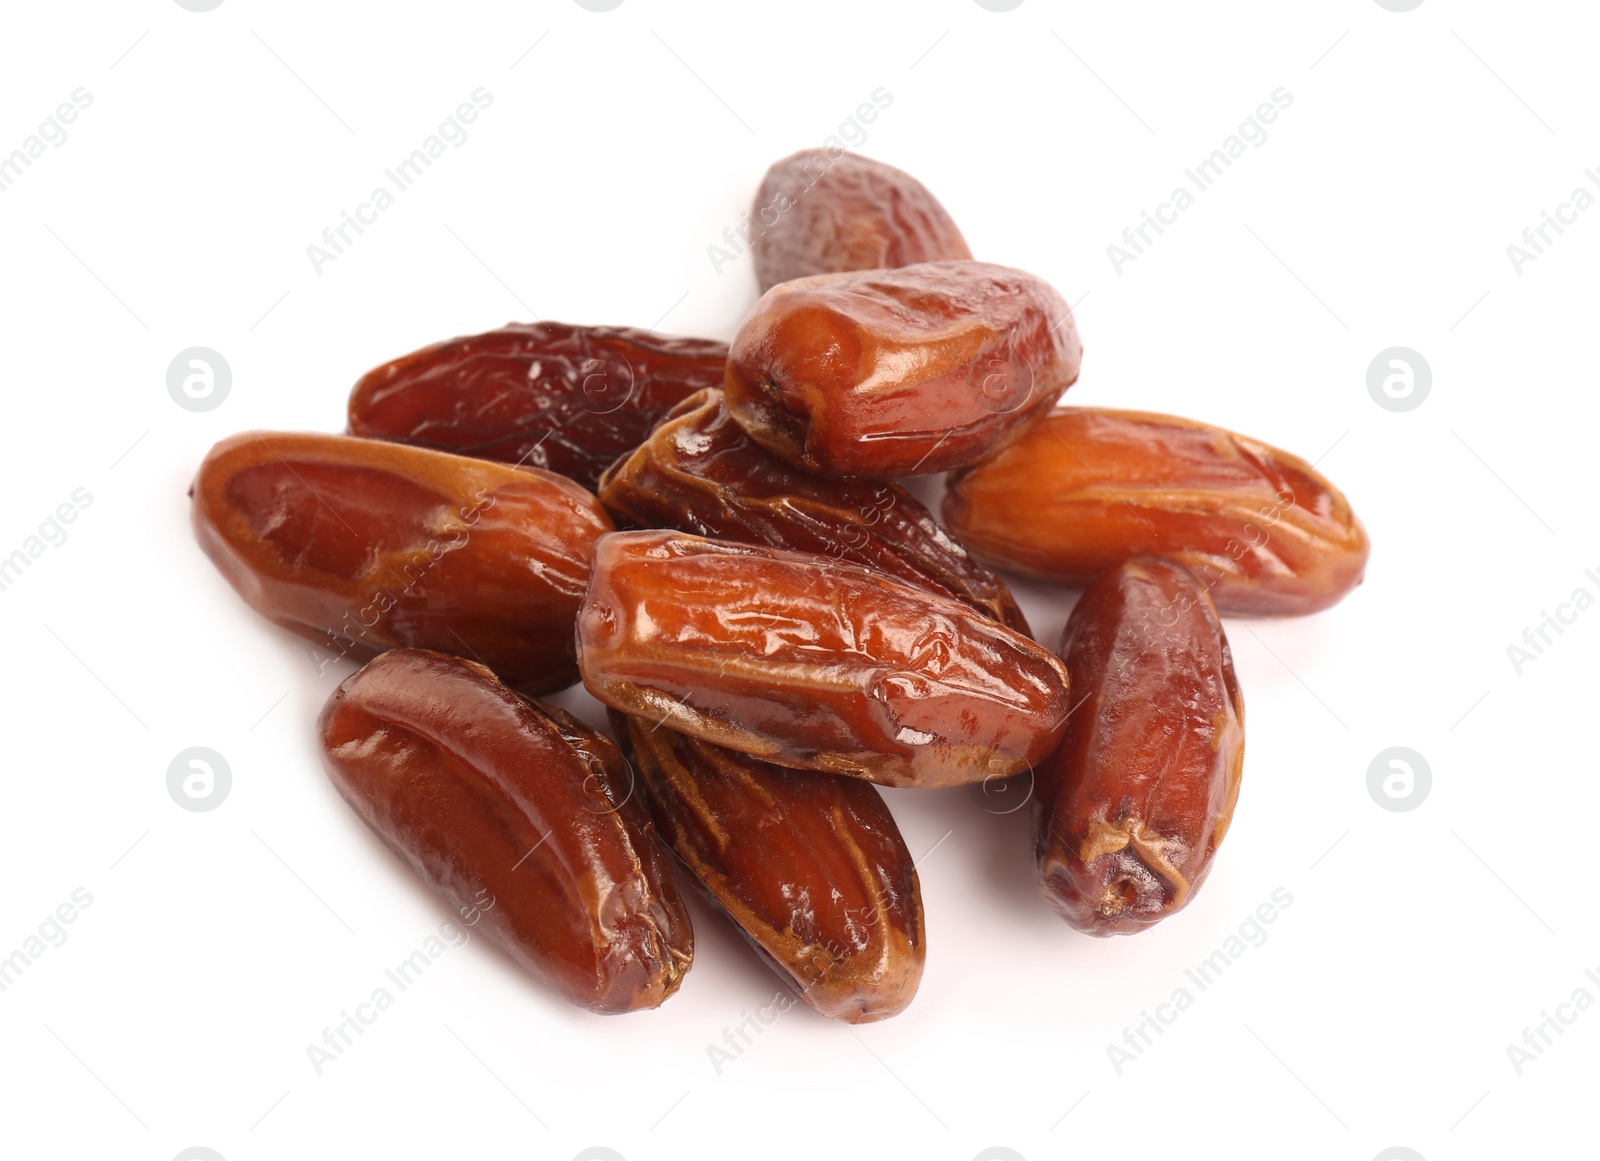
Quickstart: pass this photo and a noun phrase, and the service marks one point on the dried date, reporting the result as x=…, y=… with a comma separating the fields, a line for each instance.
x=363, y=546
x=820, y=214
x=490, y=796
x=699, y=472
x=1134, y=804
x=889, y=373
x=814, y=663
x=1087, y=488
x=810, y=867
x=569, y=399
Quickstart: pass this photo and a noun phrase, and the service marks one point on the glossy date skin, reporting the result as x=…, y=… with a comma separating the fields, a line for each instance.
x=699, y=472
x=516, y=810
x=1134, y=804
x=817, y=214
x=569, y=399
x=810, y=867
x=1087, y=488
x=888, y=373
x=363, y=546
x=813, y=663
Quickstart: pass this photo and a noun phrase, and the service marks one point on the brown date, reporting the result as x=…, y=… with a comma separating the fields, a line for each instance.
x=362, y=546
x=516, y=810
x=1136, y=800
x=810, y=867
x=814, y=663
x=1087, y=488
x=819, y=214
x=699, y=472
x=569, y=399
x=887, y=373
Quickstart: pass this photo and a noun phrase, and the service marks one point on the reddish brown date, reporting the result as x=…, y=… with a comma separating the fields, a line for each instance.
x=517, y=811
x=810, y=867
x=814, y=663
x=568, y=399
x=362, y=546
x=1087, y=488
x=819, y=214
x=1134, y=804
x=699, y=472
x=888, y=373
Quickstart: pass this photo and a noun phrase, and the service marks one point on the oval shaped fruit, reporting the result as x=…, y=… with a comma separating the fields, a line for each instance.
x=517, y=811
x=1087, y=488
x=569, y=399
x=810, y=867
x=888, y=373
x=1134, y=804
x=699, y=472
x=820, y=214
x=363, y=546
x=813, y=663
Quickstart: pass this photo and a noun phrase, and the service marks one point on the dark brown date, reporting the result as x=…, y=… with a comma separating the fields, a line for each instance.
x=1141, y=792
x=887, y=373
x=569, y=399
x=516, y=810
x=699, y=472
x=810, y=867
x=814, y=663
x=362, y=546
x=817, y=213
x=1087, y=488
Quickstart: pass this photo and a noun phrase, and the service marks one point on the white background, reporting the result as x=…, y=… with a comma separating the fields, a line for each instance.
x=1419, y=945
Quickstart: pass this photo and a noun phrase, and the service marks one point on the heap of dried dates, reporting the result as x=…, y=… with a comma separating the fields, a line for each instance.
x=712, y=540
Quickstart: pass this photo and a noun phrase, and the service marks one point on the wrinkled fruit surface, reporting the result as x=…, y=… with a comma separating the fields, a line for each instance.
x=699, y=472
x=816, y=214
x=1261, y=529
x=568, y=399
x=811, y=867
x=1134, y=804
x=814, y=663
x=363, y=546
x=889, y=373
x=517, y=812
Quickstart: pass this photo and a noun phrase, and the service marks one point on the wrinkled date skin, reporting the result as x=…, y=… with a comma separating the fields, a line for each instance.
x=811, y=867
x=1263, y=531
x=815, y=214
x=814, y=663
x=888, y=373
x=1141, y=792
x=568, y=399
x=699, y=472
x=363, y=546
x=515, y=811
